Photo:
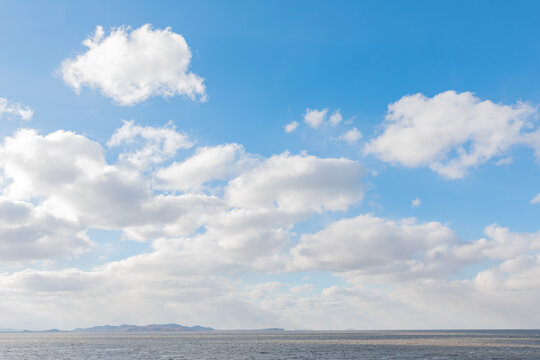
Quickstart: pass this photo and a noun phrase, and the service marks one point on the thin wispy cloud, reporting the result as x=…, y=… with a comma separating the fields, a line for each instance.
x=12, y=110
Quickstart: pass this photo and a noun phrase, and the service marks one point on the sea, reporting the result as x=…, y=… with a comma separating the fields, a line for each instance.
x=220, y=345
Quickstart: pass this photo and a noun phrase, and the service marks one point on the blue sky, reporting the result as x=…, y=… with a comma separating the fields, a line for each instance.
x=299, y=229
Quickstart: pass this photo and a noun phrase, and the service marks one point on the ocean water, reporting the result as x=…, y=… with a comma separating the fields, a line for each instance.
x=500, y=344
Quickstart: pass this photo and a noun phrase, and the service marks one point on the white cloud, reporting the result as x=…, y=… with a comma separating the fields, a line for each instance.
x=242, y=220
x=70, y=177
x=71, y=298
x=315, y=118
x=161, y=216
x=209, y=163
x=450, y=132
x=335, y=118
x=504, y=161
x=194, y=278
x=368, y=248
x=29, y=234
x=376, y=247
x=298, y=183
x=506, y=245
x=532, y=139
x=416, y=202
x=352, y=136
x=241, y=239
x=67, y=176
x=129, y=66
x=301, y=289
x=15, y=110
x=158, y=144
x=36, y=165
x=290, y=127
x=188, y=284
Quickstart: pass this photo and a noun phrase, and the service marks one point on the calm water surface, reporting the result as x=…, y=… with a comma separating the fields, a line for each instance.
x=274, y=345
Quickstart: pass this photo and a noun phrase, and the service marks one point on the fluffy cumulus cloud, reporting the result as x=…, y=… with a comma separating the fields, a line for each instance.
x=15, y=110
x=70, y=177
x=29, y=234
x=290, y=127
x=378, y=247
x=193, y=280
x=63, y=178
x=450, y=132
x=218, y=213
x=315, y=118
x=335, y=118
x=149, y=145
x=131, y=65
x=351, y=136
x=296, y=183
x=207, y=164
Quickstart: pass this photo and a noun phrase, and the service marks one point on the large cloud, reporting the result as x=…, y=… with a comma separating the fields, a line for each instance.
x=29, y=234
x=150, y=145
x=396, y=272
x=68, y=177
x=450, y=132
x=68, y=173
x=208, y=164
x=374, y=246
x=235, y=222
x=71, y=298
x=187, y=281
x=130, y=66
x=297, y=183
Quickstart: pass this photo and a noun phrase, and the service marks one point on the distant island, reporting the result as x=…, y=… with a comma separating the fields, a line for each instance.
x=145, y=328
x=122, y=328
x=134, y=328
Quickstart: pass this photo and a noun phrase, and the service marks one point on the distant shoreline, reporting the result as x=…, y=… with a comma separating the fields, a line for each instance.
x=175, y=328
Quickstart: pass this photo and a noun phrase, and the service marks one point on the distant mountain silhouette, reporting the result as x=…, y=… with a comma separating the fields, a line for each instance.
x=53, y=331
x=136, y=328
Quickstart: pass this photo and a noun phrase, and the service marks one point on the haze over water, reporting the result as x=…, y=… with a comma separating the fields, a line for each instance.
x=498, y=344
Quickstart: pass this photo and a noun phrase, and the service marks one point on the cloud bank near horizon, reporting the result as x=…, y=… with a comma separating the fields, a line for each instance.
x=211, y=224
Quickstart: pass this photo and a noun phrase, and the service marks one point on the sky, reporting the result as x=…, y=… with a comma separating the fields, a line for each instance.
x=248, y=164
